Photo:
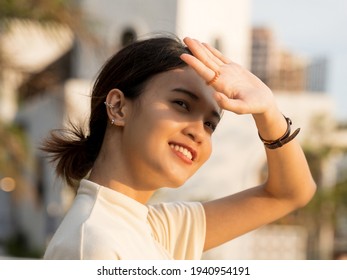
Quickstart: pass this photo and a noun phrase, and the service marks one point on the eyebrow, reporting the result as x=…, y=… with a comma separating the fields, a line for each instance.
x=193, y=96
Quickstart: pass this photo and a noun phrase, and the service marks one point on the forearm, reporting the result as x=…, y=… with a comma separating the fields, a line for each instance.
x=289, y=176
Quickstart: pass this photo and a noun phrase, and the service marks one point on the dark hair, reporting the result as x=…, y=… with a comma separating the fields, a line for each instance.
x=128, y=70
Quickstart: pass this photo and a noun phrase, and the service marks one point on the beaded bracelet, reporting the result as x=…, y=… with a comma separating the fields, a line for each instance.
x=274, y=144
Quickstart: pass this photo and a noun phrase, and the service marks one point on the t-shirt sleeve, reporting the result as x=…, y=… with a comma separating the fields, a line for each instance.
x=180, y=228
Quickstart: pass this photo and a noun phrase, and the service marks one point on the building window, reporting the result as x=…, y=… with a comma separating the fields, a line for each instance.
x=128, y=36
x=217, y=44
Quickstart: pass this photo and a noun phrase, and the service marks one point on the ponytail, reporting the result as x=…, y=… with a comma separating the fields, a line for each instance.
x=73, y=151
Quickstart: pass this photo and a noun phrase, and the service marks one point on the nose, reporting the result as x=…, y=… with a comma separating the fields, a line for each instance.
x=195, y=131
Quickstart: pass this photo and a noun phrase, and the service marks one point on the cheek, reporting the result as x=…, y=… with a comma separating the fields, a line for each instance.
x=205, y=153
x=149, y=132
x=208, y=151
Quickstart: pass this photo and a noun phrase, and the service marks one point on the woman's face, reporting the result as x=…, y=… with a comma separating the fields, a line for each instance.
x=167, y=135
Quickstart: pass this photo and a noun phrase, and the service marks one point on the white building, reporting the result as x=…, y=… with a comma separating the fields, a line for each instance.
x=223, y=23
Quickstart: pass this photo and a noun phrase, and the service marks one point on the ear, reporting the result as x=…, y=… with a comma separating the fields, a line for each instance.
x=116, y=107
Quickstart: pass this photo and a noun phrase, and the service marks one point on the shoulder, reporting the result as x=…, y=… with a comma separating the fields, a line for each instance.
x=180, y=227
x=175, y=213
x=84, y=233
x=176, y=209
x=164, y=214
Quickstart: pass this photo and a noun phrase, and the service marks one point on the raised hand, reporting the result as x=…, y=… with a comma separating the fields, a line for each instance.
x=237, y=89
x=289, y=184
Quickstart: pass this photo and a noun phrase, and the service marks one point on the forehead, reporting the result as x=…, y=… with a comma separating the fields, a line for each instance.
x=188, y=77
x=182, y=78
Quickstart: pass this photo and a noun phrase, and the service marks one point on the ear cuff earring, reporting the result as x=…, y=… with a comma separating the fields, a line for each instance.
x=109, y=105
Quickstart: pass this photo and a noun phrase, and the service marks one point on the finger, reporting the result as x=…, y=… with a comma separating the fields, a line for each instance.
x=209, y=54
x=206, y=73
x=217, y=54
x=202, y=53
x=233, y=105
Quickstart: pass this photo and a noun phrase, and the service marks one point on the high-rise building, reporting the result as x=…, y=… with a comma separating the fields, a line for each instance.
x=264, y=54
x=317, y=74
x=290, y=73
x=283, y=70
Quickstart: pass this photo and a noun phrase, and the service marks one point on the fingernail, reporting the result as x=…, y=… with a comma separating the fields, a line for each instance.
x=217, y=96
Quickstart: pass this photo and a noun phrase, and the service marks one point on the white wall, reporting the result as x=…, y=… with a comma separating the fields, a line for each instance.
x=109, y=19
x=207, y=20
x=228, y=20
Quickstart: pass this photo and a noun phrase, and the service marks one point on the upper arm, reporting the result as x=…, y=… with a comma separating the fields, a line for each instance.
x=234, y=215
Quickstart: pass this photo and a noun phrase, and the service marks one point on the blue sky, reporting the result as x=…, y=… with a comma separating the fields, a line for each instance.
x=312, y=28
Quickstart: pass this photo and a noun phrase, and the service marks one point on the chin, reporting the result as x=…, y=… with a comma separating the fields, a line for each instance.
x=172, y=177
x=169, y=182
x=176, y=182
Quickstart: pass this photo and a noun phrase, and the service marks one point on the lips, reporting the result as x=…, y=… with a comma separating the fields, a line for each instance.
x=185, y=151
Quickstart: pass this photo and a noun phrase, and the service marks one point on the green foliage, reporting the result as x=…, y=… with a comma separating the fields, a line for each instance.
x=17, y=246
x=13, y=150
x=65, y=12
x=41, y=10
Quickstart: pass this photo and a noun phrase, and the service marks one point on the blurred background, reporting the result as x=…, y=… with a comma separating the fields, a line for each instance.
x=51, y=51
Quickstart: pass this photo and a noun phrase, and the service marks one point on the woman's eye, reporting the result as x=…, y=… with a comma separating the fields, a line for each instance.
x=211, y=126
x=182, y=104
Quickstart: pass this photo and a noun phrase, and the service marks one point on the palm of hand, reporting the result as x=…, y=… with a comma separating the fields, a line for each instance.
x=237, y=89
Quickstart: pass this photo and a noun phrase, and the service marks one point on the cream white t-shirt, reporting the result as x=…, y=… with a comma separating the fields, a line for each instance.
x=105, y=224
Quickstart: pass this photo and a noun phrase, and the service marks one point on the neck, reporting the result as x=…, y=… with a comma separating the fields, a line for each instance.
x=109, y=170
x=133, y=192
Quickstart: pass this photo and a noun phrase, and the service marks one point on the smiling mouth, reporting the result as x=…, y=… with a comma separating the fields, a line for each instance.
x=184, y=151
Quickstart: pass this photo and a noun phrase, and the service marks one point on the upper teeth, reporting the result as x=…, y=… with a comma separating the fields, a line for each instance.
x=182, y=150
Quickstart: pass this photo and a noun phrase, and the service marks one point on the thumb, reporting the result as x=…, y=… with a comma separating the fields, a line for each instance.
x=234, y=105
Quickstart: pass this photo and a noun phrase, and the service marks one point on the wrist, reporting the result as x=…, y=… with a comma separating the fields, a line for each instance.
x=271, y=124
x=284, y=139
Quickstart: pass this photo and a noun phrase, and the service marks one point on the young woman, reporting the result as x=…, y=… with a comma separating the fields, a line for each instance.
x=154, y=108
